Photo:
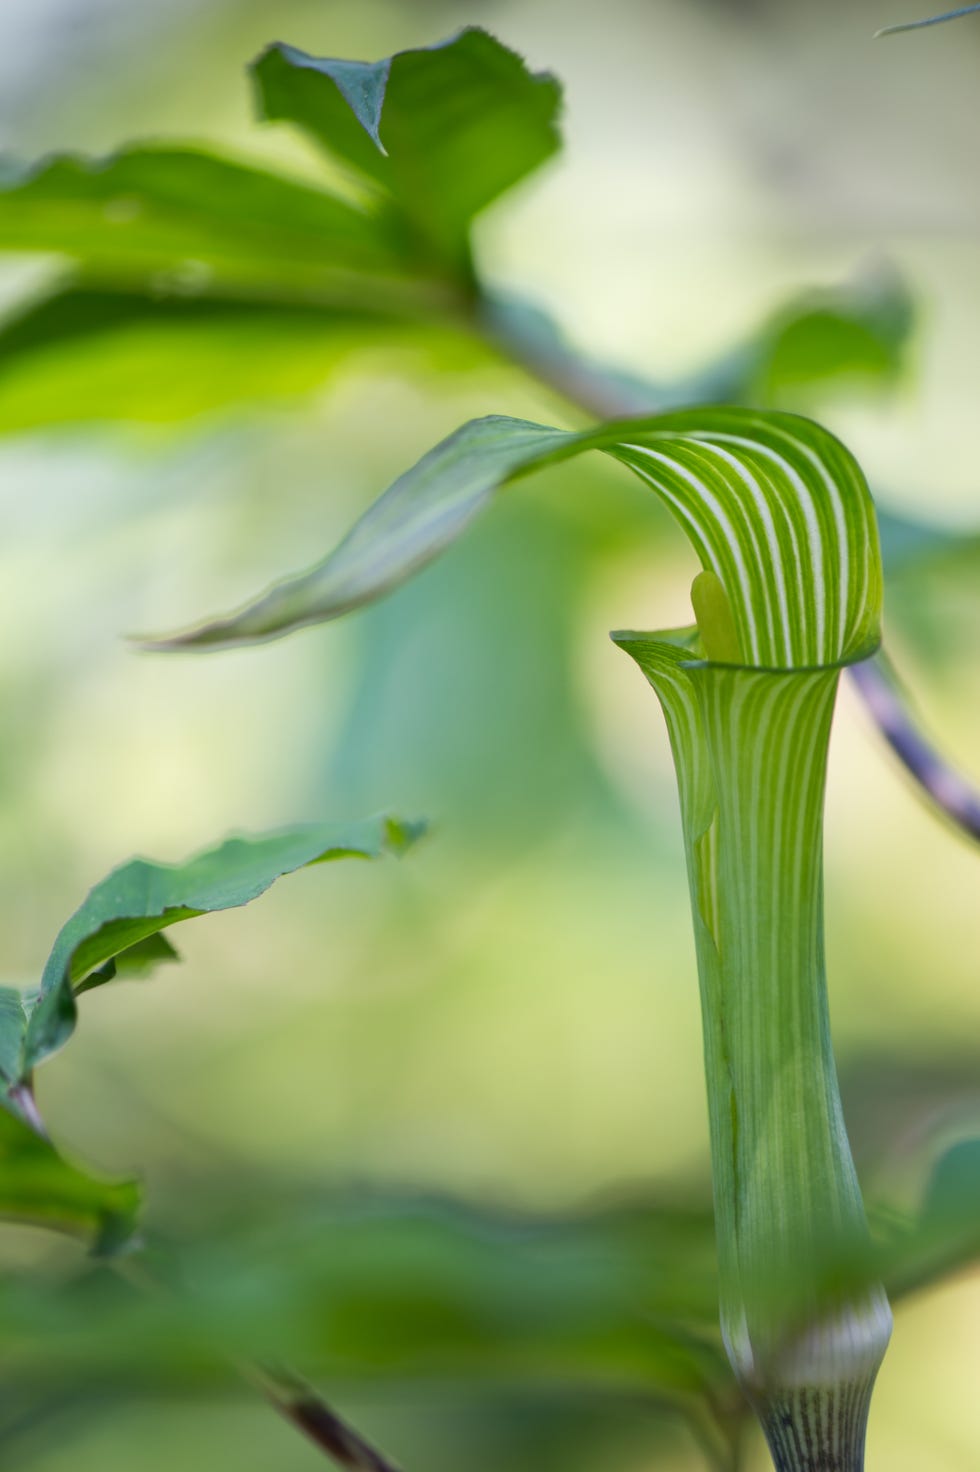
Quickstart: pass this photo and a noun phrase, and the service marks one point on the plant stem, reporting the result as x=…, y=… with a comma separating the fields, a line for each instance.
x=932, y=20
x=946, y=789
x=605, y=395
x=23, y=1096
x=300, y=1404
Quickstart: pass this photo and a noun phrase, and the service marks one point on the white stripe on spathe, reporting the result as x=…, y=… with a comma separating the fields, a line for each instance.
x=804, y=500
x=794, y=601
x=716, y=522
x=772, y=541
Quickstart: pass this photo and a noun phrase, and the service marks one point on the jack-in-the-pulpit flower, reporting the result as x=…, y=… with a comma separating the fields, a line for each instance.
x=791, y=593
x=782, y=522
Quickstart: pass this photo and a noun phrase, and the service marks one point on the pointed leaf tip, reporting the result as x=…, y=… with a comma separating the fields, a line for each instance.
x=462, y=121
x=362, y=84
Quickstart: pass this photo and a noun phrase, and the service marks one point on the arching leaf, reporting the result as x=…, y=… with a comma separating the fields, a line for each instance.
x=772, y=503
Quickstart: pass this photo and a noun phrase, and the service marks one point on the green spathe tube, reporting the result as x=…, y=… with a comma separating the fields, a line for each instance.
x=804, y=1325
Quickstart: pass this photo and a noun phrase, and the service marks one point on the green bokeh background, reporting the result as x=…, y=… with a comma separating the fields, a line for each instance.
x=511, y=1014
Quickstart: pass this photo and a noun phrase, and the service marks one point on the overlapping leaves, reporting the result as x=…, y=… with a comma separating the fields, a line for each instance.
x=200, y=281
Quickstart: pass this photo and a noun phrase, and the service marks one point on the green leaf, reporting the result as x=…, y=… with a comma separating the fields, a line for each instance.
x=183, y=217
x=228, y=275
x=89, y=353
x=436, y=133
x=384, y=1288
x=121, y=914
x=932, y=20
x=137, y=960
x=175, y=347
x=772, y=503
x=335, y=115
x=39, y=1187
x=854, y=332
x=940, y=1237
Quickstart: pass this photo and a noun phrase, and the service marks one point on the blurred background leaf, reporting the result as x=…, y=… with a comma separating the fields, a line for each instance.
x=39, y=1187
x=439, y=131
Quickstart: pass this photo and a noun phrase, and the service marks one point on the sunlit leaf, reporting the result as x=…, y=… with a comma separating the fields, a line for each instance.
x=93, y=354
x=182, y=217
x=437, y=132
x=170, y=351
x=111, y=932
x=853, y=334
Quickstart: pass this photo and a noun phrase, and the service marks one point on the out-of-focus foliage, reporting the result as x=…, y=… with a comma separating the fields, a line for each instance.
x=391, y=1287
x=38, y=1186
x=201, y=282
x=405, y=1290
x=145, y=212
